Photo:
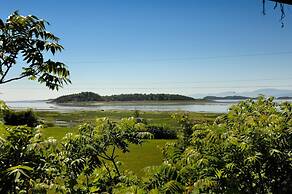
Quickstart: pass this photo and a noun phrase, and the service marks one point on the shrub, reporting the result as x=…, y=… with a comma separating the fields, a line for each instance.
x=25, y=160
x=247, y=150
x=14, y=118
x=83, y=163
x=49, y=124
x=160, y=132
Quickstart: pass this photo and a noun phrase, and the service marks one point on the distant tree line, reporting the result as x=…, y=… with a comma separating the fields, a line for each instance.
x=93, y=97
x=146, y=97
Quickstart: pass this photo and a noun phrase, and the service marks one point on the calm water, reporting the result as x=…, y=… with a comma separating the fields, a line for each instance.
x=220, y=107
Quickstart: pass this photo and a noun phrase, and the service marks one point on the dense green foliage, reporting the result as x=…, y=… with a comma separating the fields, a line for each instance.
x=92, y=97
x=25, y=38
x=247, y=150
x=82, y=163
x=3, y=108
x=14, y=118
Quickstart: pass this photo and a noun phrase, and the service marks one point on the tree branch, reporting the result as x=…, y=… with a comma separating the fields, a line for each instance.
x=5, y=73
x=7, y=64
x=12, y=79
x=107, y=169
x=113, y=153
x=103, y=157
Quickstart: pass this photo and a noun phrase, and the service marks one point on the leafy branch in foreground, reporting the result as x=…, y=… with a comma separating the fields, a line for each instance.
x=24, y=40
x=94, y=150
x=83, y=163
x=247, y=150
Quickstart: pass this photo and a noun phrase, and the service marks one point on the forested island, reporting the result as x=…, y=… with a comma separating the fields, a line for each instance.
x=93, y=97
x=89, y=97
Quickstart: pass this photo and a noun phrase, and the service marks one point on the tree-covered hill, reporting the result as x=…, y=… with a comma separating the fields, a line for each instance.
x=93, y=97
x=80, y=97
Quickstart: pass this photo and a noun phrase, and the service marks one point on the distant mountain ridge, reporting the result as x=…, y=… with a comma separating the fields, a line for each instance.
x=226, y=98
x=285, y=98
x=93, y=97
x=250, y=94
x=269, y=92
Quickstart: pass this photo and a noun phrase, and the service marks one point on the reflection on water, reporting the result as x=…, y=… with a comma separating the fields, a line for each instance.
x=217, y=107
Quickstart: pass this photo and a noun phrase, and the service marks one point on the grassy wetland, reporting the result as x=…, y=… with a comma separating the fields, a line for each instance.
x=140, y=156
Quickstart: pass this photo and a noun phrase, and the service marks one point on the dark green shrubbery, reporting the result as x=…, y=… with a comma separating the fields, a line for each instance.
x=14, y=118
x=160, y=132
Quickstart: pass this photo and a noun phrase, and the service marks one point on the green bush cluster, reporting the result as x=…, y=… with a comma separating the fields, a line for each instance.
x=247, y=150
x=82, y=163
x=16, y=118
x=157, y=132
x=160, y=132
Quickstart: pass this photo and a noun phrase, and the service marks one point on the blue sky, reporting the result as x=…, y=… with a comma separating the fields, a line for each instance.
x=162, y=46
